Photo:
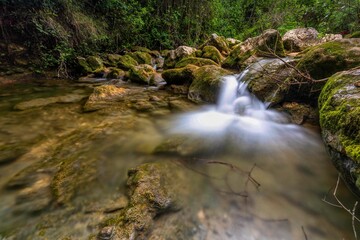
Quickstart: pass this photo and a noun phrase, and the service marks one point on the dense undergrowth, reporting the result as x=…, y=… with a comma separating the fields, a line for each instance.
x=55, y=31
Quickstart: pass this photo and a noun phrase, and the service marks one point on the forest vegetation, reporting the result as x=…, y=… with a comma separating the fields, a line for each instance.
x=56, y=31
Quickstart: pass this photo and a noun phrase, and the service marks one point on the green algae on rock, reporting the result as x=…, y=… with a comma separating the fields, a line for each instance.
x=324, y=60
x=151, y=192
x=143, y=74
x=195, y=61
x=212, y=53
x=339, y=104
x=206, y=84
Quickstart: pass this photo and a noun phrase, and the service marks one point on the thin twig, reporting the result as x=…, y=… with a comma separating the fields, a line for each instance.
x=303, y=229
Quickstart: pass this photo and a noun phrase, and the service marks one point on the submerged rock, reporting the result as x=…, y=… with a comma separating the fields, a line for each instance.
x=41, y=102
x=151, y=191
x=339, y=104
x=104, y=96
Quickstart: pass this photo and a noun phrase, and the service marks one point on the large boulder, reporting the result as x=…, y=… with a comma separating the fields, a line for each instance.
x=195, y=61
x=206, y=84
x=212, y=53
x=339, y=104
x=324, y=60
x=267, y=79
x=180, y=76
x=143, y=74
x=126, y=62
x=173, y=56
x=298, y=39
x=141, y=57
x=268, y=44
x=90, y=64
x=218, y=42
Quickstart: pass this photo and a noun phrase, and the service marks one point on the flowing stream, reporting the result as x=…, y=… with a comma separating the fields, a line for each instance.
x=250, y=174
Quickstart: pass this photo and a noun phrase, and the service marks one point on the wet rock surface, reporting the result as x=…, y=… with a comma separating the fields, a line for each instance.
x=339, y=118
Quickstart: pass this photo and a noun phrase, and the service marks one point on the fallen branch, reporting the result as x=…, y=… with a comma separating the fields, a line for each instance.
x=339, y=204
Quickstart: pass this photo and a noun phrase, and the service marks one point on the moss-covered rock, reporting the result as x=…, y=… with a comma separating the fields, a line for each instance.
x=195, y=61
x=173, y=56
x=218, y=42
x=354, y=35
x=151, y=192
x=328, y=58
x=141, y=57
x=265, y=45
x=339, y=105
x=104, y=96
x=212, y=53
x=115, y=73
x=143, y=74
x=95, y=63
x=140, y=49
x=180, y=76
x=126, y=62
x=206, y=84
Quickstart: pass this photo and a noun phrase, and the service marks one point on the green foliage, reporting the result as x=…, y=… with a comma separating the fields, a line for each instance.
x=57, y=30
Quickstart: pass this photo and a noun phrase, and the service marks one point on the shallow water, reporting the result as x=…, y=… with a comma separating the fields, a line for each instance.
x=290, y=169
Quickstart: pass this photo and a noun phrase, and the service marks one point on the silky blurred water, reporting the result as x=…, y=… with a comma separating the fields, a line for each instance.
x=290, y=169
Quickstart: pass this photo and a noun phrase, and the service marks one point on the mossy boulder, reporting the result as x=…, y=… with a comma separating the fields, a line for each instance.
x=180, y=76
x=143, y=74
x=140, y=49
x=126, y=62
x=354, y=35
x=268, y=44
x=328, y=58
x=195, y=61
x=212, y=53
x=90, y=64
x=218, y=42
x=115, y=73
x=173, y=56
x=141, y=57
x=339, y=104
x=206, y=84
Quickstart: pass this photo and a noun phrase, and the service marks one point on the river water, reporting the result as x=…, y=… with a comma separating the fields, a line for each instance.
x=249, y=173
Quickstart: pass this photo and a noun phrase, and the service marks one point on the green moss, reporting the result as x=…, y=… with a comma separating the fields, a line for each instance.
x=126, y=62
x=212, y=53
x=195, y=61
x=326, y=59
x=340, y=111
x=141, y=57
x=141, y=49
x=85, y=68
x=143, y=74
x=206, y=83
x=354, y=35
x=115, y=73
x=179, y=75
x=95, y=63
